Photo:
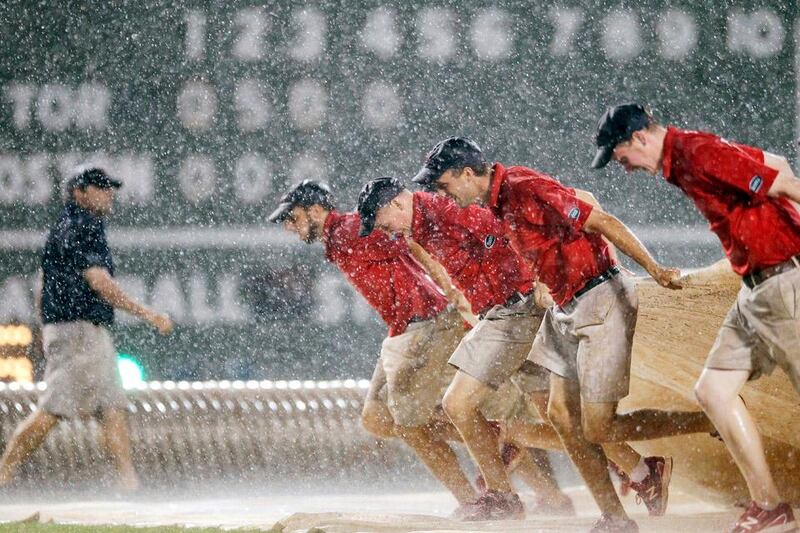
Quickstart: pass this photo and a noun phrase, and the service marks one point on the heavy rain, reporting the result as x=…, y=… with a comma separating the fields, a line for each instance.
x=237, y=381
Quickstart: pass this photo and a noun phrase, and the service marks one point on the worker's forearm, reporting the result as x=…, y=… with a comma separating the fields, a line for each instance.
x=439, y=276
x=623, y=238
x=590, y=199
x=111, y=292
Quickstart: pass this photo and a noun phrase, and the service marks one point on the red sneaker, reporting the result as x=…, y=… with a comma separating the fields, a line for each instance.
x=496, y=505
x=495, y=427
x=614, y=524
x=510, y=455
x=778, y=520
x=654, y=489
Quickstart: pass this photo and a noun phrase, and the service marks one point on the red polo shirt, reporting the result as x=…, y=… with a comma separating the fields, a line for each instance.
x=545, y=224
x=728, y=183
x=383, y=271
x=470, y=244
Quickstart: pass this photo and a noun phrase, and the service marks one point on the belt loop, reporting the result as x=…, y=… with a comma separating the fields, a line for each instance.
x=795, y=261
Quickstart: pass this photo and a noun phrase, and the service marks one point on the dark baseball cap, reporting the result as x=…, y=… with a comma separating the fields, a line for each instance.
x=304, y=194
x=454, y=152
x=93, y=176
x=374, y=195
x=617, y=125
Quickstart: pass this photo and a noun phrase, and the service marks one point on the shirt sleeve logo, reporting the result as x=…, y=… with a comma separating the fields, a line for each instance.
x=755, y=183
x=574, y=213
x=489, y=241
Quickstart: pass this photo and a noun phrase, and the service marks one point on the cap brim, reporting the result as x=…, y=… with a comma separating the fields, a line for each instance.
x=602, y=156
x=425, y=176
x=281, y=213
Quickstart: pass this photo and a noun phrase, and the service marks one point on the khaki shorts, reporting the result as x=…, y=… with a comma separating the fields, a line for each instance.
x=81, y=374
x=762, y=330
x=412, y=372
x=590, y=340
x=496, y=348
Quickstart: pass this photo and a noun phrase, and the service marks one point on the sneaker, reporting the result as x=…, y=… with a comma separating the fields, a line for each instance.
x=510, y=455
x=624, y=480
x=614, y=524
x=778, y=520
x=496, y=505
x=654, y=489
x=495, y=427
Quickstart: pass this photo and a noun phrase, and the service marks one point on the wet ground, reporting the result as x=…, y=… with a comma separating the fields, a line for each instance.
x=350, y=513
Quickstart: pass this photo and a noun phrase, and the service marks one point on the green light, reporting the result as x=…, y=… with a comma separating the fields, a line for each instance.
x=131, y=371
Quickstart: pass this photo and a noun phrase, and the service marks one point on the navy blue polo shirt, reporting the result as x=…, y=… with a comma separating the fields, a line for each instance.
x=75, y=243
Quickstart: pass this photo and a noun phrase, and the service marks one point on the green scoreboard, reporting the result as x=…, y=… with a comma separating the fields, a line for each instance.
x=208, y=110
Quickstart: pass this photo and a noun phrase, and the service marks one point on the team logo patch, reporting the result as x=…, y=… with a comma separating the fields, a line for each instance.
x=755, y=183
x=489, y=241
x=574, y=213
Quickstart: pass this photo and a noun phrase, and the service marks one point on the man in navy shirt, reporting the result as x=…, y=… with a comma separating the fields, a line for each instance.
x=78, y=299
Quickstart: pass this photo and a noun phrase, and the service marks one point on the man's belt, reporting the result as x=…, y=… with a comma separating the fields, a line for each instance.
x=760, y=276
x=516, y=298
x=594, y=282
x=417, y=319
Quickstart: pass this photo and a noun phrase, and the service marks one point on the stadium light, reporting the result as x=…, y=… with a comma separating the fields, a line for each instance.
x=14, y=362
x=15, y=335
x=131, y=371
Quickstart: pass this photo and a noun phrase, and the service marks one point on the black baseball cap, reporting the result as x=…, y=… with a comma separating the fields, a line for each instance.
x=374, y=195
x=453, y=152
x=304, y=194
x=93, y=176
x=617, y=125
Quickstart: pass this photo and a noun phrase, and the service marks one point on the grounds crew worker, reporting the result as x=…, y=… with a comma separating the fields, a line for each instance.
x=78, y=298
x=746, y=195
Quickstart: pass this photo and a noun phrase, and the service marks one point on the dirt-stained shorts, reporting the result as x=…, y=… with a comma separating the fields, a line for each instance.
x=496, y=348
x=81, y=374
x=590, y=340
x=762, y=330
x=412, y=372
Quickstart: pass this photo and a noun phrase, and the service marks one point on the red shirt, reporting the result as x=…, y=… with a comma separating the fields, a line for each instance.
x=383, y=271
x=470, y=244
x=728, y=183
x=545, y=224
